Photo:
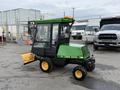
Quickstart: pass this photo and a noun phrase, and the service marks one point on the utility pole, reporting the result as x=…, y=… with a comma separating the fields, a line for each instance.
x=35, y=14
x=73, y=12
x=64, y=13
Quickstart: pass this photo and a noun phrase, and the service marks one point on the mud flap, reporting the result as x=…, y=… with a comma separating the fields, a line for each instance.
x=28, y=58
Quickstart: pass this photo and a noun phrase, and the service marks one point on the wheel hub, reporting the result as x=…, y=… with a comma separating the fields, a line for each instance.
x=45, y=65
x=78, y=74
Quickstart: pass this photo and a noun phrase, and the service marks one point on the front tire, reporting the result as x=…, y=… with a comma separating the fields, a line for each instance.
x=95, y=47
x=46, y=65
x=74, y=37
x=80, y=37
x=79, y=73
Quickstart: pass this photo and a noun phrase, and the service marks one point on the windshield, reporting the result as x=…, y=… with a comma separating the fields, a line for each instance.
x=111, y=27
x=92, y=28
x=43, y=32
x=79, y=27
x=65, y=32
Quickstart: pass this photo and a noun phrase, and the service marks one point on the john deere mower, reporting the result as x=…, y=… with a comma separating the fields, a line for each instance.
x=51, y=46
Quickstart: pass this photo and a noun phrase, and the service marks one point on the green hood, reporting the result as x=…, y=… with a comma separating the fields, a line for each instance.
x=75, y=51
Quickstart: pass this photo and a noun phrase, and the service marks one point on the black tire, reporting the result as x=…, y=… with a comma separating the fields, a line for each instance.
x=74, y=37
x=95, y=47
x=81, y=73
x=80, y=37
x=49, y=64
x=90, y=66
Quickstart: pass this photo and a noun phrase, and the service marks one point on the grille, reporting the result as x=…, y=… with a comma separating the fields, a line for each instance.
x=107, y=43
x=107, y=36
x=78, y=33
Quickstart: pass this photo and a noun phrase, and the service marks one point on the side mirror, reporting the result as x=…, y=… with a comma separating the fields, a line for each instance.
x=96, y=30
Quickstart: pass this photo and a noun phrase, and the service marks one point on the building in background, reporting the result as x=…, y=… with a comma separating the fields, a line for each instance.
x=13, y=23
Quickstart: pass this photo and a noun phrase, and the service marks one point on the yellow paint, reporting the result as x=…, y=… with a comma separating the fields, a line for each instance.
x=68, y=17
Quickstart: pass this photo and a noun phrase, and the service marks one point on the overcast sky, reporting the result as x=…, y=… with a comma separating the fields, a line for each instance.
x=83, y=8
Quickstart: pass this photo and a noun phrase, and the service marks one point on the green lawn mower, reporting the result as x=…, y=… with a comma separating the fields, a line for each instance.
x=51, y=46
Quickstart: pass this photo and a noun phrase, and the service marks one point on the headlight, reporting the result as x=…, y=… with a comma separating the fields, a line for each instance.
x=73, y=33
x=118, y=36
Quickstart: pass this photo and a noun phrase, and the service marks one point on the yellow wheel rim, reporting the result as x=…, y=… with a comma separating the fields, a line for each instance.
x=78, y=74
x=45, y=65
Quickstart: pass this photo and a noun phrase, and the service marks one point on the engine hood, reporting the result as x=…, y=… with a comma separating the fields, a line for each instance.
x=109, y=32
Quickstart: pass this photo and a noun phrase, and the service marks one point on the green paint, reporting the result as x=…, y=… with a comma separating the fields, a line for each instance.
x=75, y=51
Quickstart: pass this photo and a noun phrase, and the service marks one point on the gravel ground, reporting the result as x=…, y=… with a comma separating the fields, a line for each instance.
x=16, y=76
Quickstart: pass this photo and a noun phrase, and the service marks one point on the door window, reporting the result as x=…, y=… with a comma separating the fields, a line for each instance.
x=55, y=33
x=42, y=36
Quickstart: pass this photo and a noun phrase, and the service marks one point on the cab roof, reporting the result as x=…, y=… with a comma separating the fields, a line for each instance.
x=58, y=20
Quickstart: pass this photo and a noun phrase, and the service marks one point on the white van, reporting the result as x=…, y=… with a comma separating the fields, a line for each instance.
x=91, y=29
x=78, y=29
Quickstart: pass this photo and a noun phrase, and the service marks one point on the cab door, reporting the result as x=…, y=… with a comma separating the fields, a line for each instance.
x=42, y=39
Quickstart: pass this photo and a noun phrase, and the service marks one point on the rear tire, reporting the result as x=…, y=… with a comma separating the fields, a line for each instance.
x=46, y=65
x=79, y=73
x=90, y=66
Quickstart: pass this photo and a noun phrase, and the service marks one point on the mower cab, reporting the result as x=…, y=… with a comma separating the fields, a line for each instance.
x=48, y=35
x=52, y=47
